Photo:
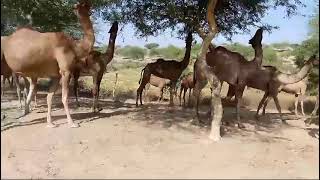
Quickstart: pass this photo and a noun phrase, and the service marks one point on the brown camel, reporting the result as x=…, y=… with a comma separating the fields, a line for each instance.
x=52, y=54
x=95, y=66
x=299, y=90
x=186, y=84
x=270, y=80
x=161, y=83
x=230, y=67
x=168, y=69
x=316, y=106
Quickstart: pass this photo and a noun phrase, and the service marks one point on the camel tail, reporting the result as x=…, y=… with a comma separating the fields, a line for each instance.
x=141, y=74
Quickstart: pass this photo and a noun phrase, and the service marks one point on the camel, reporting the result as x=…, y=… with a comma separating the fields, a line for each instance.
x=299, y=90
x=161, y=83
x=316, y=106
x=95, y=66
x=186, y=84
x=50, y=54
x=270, y=80
x=168, y=69
x=230, y=67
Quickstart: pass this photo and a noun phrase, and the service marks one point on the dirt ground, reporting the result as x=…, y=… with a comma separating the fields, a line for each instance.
x=154, y=141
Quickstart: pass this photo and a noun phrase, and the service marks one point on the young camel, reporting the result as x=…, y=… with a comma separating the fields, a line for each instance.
x=52, y=54
x=161, y=83
x=168, y=69
x=230, y=67
x=270, y=80
x=95, y=66
x=186, y=83
x=299, y=90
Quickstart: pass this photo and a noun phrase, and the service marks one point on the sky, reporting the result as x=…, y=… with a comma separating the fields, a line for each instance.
x=293, y=30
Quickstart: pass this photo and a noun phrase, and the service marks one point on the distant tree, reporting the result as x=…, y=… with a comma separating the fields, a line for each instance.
x=133, y=52
x=151, y=45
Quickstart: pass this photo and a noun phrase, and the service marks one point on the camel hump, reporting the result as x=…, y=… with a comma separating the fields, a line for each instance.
x=29, y=27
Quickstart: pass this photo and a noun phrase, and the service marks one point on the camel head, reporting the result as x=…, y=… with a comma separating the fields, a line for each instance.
x=82, y=8
x=114, y=27
x=312, y=60
x=257, y=38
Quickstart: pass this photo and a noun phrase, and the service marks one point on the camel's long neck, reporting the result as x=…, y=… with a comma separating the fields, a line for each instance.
x=293, y=78
x=88, y=38
x=186, y=58
x=258, y=56
x=108, y=55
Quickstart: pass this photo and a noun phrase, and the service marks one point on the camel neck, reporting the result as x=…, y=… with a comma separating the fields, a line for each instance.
x=294, y=78
x=186, y=58
x=108, y=55
x=258, y=56
x=88, y=38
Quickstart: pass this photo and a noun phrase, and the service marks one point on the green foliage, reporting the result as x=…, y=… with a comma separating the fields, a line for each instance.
x=151, y=45
x=270, y=57
x=151, y=17
x=169, y=52
x=195, y=50
x=133, y=52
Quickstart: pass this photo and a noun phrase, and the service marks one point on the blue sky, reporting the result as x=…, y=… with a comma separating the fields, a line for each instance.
x=293, y=30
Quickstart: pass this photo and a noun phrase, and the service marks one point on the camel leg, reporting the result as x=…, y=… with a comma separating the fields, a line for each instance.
x=76, y=76
x=265, y=105
x=231, y=92
x=145, y=79
x=18, y=88
x=239, y=93
x=263, y=100
x=302, y=98
x=52, y=89
x=316, y=106
x=33, y=82
x=181, y=89
x=276, y=101
x=296, y=105
x=11, y=82
x=2, y=85
x=161, y=94
x=196, y=94
x=184, y=96
x=172, y=85
x=189, y=97
x=95, y=91
x=65, y=78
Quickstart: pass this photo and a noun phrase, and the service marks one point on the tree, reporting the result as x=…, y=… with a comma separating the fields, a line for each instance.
x=152, y=17
x=151, y=45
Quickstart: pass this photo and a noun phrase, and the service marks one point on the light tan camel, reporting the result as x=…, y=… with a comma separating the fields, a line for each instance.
x=52, y=54
x=231, y=67
x=158, y=82
x=186, y=84
x=316, y=106
x=299, y=90
x=168, y=69
x=95, y=66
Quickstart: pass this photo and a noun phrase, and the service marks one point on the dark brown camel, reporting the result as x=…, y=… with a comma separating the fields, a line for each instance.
x=231, y=67
x=168, y=69
x=95, y=66
x=186, y=84
x=52, y=54
x=161, y=83
x=270, y=80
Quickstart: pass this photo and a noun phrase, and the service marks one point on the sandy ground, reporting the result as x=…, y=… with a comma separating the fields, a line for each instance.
x=153, y=141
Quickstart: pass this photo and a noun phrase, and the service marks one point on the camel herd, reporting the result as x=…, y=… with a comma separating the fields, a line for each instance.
x=30, y=54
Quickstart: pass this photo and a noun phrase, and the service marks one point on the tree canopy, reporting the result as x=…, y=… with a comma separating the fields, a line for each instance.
x=149, y=17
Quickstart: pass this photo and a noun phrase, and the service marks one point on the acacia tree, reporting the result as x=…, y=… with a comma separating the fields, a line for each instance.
x=151, y=17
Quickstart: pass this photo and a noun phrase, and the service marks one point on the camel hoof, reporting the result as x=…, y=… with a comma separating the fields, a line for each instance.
x=51, y=125
x=74, y=125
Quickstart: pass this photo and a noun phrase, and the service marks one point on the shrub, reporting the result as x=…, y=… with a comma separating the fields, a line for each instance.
x=132, y=52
